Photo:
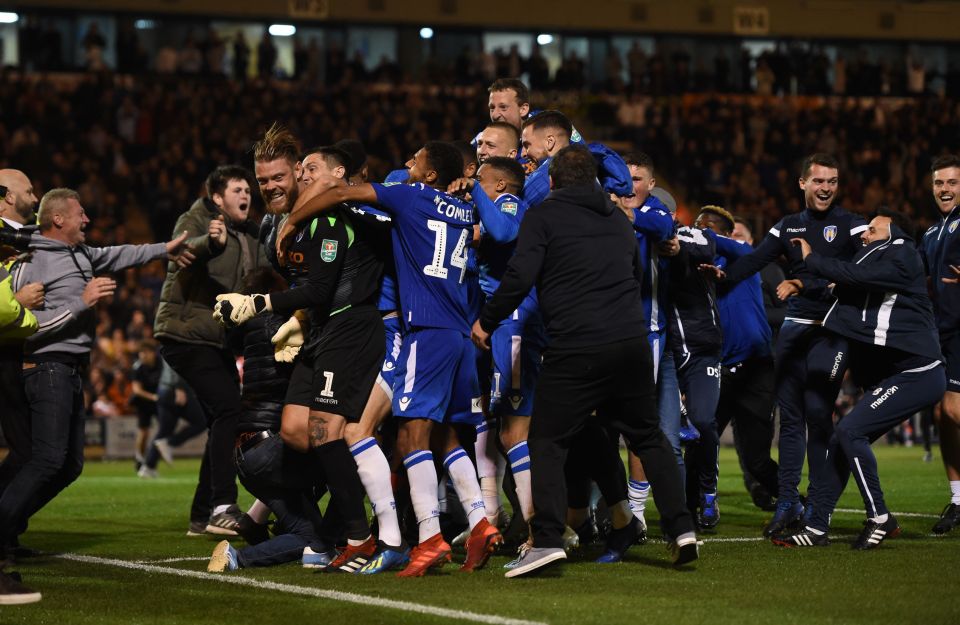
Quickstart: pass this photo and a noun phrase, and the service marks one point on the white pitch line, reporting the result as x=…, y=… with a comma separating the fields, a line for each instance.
x=333, y=595
x=168, y=560
x=917, y=515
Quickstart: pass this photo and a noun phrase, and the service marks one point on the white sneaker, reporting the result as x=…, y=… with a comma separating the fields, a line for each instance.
x=224, y=558
x=147, y=473
x=164, y=449
x=535, y=559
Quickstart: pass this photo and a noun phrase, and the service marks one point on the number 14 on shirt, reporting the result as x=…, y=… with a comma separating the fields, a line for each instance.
x=458, y=258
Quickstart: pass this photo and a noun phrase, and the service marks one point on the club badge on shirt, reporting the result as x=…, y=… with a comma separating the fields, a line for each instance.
x=830, y=233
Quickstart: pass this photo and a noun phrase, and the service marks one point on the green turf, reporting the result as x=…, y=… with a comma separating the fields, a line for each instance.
x=111, y=513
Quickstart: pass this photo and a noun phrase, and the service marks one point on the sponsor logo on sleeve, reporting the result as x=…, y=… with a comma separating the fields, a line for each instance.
x=509, y=208
x=328, y=252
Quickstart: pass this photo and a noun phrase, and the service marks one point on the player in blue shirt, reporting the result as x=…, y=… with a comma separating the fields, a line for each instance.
x=436, y=373
x=548, y=132
x=653, y=224
x=509, y=103
x=518, y=342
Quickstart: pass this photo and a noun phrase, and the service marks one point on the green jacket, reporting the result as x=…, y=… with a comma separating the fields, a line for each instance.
x=16, y=322
x=188, y=295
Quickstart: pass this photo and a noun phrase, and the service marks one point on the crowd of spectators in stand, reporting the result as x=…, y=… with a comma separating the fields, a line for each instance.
x=787, y=67
x=138, y=149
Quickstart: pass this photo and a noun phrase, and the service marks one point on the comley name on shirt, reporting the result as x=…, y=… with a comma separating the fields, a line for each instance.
x=452, y=211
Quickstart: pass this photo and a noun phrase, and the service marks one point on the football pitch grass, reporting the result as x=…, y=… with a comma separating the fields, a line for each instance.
x=117, y=553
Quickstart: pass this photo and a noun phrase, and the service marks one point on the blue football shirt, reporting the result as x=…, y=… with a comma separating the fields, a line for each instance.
x=431, y=236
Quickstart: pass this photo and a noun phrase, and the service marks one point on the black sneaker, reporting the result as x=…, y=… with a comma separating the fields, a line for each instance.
x=875, y=533
x=197, y=528
x=225, y=523
x=619, y=540
x=709, y=515
x=949, y=519
x=803, y=538
x=251, y=531
x=786, y=517
x=12, y=592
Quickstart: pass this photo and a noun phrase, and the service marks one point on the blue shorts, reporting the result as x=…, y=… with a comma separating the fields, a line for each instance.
x=436, y=378
x=513, y=364
x=394, y=339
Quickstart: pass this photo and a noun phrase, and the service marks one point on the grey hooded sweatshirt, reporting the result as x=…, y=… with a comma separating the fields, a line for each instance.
x=66, y=324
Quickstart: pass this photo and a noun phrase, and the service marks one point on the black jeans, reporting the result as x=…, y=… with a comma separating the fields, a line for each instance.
x=55, y=396
x=15, y=416
x=616, y=380
x=746, y=400
x=212, y=374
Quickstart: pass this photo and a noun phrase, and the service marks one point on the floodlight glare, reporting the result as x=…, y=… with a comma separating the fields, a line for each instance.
x=282, y=30
x=426, y=33
x=544, y=40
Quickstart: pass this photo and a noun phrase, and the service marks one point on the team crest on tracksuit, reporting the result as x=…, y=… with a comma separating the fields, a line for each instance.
x=830, y=233
x=952, y=227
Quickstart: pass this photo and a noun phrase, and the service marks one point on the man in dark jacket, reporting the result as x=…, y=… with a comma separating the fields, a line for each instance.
x=810, y=362
x=194, y=344
x=883, y=309
x=582, y=256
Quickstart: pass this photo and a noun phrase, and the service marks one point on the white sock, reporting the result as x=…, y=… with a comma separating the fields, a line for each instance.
x=442, y=503
x=422, y=476
x=880, y=519
x=374, y=473
x=637, y=493
x=259, y=512
x=488, y=470
x=955, y=492
x=490, y=492
x=221, y=508
x=464, y=477
x=519, y=458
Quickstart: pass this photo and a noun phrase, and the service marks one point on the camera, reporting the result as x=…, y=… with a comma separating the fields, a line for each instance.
x=18, y=239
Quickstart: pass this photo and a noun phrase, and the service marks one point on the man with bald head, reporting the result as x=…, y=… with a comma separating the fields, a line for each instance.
x=18, y=202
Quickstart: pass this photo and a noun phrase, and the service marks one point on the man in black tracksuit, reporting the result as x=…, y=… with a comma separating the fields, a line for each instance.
x=582, y=256
x=883, y=309
x=695, y=339
x=810, y=362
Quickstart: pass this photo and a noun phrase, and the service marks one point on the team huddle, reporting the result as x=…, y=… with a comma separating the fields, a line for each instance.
x=494, y=318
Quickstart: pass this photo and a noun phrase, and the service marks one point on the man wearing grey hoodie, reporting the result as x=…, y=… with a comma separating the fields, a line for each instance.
x=55, y=356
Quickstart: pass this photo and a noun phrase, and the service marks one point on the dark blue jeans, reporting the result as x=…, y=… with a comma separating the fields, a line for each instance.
x=55, y=397
x=283, y=480
x=168, y=414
